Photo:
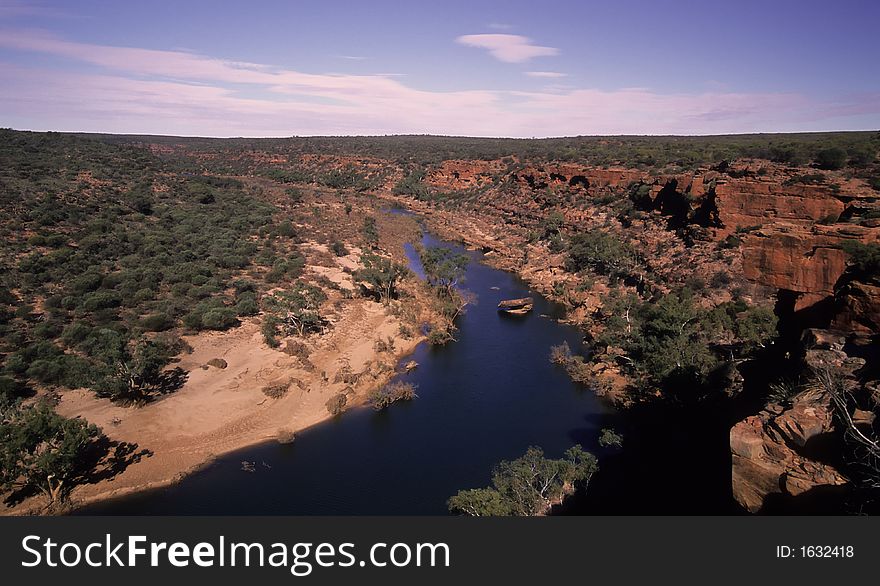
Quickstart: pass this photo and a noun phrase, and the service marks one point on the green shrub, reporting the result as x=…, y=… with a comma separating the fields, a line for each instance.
x=295, y=195
x=370, y=232
x=44, y=452
x=338, y=248
x=247, y=305
x=610, y=438
x=864, y=258
x=157, y=322
x=101, y=300
x=269, y=329
x=219, y=318
x=831, y=158
x=602, y=253
x=391, y=393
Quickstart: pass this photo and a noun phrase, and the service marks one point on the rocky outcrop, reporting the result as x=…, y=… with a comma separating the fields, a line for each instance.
x=794, y=230
x=807, y=261
x=774, y=453
x=765, y=454
x=746, y=203
x=858, y=309
x=576, y=176
x=456, y=175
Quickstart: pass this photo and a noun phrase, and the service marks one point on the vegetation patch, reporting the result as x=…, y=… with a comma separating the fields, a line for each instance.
x=528, y=486
x=391, y=393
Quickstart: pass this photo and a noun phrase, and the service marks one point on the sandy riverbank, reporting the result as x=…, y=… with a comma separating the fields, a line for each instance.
x=220, y=410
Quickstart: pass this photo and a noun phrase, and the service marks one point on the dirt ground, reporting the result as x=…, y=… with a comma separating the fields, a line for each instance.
x=219, y=410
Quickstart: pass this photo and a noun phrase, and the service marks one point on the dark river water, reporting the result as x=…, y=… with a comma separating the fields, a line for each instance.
x=485, y=398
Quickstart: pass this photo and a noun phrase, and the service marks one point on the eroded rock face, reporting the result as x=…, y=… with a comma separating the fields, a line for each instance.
x=576, y=176
x=858, y=309
x=806, y=261
x=771, y=451
x=745, y=203
x=795, y=239
x=765, y=451
x=455, y=175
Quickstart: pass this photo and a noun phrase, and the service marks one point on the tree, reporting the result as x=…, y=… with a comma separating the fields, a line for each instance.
x=413, y=185
x=444, y=268
x=134, y=374
x=664, y=340
x=864, y=259
x=672, y=341
x=754, y=327
x=861, y=445
x=551, y=226
x=610, y=438
x=381, y=275
x=296, y=309
x=480, y=502
x=603, y=253
x=444, y=271
x=370, y=232
x=529, y=485
x=42, y=451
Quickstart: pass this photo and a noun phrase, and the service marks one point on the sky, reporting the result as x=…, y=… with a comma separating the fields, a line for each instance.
x=473, y=68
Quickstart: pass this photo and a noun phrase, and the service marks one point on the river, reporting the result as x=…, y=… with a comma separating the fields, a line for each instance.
x=484, y=398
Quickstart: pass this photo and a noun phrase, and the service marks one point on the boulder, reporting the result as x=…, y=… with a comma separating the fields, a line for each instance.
x=807, y=475
x=809, y=416
x=858, y=309
x=765, y=455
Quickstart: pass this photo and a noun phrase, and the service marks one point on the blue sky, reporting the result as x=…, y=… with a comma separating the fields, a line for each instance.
x=273, y=68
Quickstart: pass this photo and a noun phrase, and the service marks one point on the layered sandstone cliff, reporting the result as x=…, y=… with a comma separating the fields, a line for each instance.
x=781, y=230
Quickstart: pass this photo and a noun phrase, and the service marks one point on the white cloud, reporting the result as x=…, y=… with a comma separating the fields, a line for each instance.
x=507, y=48
x=131, y=90
x=546, y=74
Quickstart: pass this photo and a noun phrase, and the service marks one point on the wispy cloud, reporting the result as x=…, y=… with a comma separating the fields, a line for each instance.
x=352, y=57
x=546, y=74
x=500, y=26
x=133, y=90
x=507, y=48
x=12, y=9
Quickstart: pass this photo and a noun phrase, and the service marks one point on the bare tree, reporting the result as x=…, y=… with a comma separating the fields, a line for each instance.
x=864, y=456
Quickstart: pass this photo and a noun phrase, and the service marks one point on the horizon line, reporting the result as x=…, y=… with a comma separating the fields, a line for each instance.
x=452, y=136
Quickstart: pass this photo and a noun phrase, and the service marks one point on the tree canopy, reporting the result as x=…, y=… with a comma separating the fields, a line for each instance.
x=381, y=275
x=43, y=451
x=529, y=485
x=444, y=267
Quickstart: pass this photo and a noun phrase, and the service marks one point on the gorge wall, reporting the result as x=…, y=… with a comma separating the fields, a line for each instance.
x=791, y=236
x=780, y=229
